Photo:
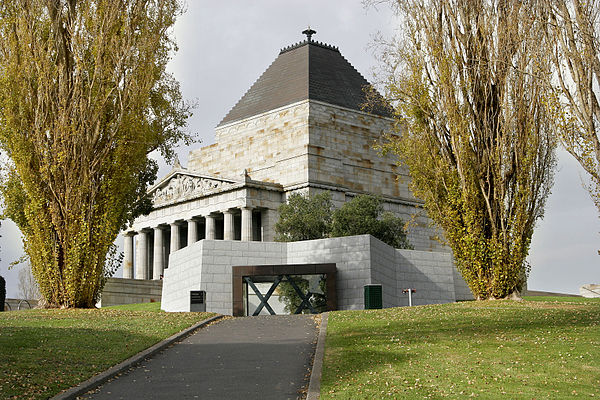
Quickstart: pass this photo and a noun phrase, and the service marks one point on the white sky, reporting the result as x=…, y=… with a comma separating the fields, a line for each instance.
x=225, y=46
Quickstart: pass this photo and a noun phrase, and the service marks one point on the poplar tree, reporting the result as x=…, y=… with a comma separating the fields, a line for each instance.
x=574, y=31
x=84, y=98
x=470, y=83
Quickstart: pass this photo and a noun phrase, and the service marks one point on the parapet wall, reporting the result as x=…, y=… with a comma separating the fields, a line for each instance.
x=360, y=260
x=119, y=291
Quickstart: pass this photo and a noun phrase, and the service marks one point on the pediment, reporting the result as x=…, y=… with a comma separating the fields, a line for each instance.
x=182, y=185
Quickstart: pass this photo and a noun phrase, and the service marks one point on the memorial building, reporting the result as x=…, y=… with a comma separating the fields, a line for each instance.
x=302, y=127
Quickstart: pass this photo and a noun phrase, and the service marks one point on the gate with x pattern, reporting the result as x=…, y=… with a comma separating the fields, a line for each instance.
x=291, y=276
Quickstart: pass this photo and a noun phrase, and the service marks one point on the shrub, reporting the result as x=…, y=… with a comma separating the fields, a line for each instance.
x=304, y=218
x=364, y=215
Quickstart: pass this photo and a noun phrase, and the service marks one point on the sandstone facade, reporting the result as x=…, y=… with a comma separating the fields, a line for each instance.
x=300, y=128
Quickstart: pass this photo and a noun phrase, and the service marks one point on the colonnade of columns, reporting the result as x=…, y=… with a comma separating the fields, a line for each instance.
x=151, y=266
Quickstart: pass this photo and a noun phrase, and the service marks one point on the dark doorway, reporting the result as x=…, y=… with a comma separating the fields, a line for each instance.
x=283, y=289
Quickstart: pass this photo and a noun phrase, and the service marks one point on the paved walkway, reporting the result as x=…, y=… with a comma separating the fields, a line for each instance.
x=264, y=357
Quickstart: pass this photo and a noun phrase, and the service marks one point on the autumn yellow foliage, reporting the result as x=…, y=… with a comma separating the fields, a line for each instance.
x=84, y=97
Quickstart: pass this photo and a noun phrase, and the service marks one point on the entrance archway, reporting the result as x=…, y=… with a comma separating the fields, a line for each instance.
x=296, y=288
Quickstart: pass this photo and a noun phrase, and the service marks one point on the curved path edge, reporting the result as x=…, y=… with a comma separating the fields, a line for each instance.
x=102, y=377
x=314, y=386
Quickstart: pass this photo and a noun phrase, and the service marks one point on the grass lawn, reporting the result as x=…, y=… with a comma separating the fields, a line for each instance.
x=45, y=351
x=543, y=349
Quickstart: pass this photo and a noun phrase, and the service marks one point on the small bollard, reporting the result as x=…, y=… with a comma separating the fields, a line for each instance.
x=410, y=292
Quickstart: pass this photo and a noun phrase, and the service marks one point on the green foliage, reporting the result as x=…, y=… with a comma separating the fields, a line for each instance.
x=304, y=218
x=364, y=215
x=307, y=218
x=2, y=292
x=289, y=295
x=470, y=81
x=84, y=97
x=292, y=300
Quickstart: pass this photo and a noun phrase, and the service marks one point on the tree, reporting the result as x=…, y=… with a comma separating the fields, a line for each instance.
x=574, y=31
x=28, y=287
x=291, y=299
x=84, y=97
x=304, y=218
x=364, y=215
x=469, y=80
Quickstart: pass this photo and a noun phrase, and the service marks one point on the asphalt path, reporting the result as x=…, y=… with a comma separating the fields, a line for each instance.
x=264, y=357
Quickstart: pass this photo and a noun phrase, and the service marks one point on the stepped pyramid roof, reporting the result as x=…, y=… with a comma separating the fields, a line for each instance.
x=306, y=70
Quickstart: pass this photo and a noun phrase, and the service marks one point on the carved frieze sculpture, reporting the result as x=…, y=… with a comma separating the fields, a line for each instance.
x=183, y=186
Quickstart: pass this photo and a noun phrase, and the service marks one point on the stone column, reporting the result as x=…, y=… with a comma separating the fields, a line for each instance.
x=210, y=227
x=158, y=264
x=247, y=224
x=192, y=231
x=269, y=219
x=128, y=256
x=174, y=237
x=228, y=227
x=141, y=253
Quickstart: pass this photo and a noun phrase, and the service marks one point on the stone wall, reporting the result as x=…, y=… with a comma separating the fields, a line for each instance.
x=206, y=265
x=353, y=262
x=427, y=273
x=360, y=260
x=272, y=146
x=341, y=152
x=119, y=291
x=307, y=147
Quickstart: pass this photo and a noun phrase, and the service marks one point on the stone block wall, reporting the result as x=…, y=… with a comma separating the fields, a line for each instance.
x=385, y=271
x=341, y=152
x=353, y=262
x=461, y=289
x=360, y=260
x=119, y=291
x=428, y=273
x=271, y=146
x=206, y=265
x=307, y=147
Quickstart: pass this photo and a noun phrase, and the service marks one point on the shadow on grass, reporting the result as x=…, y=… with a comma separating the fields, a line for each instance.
x=412, y=341
x=39, y=362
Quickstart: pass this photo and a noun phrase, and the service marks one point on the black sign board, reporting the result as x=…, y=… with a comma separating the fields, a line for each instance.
x=197, y=296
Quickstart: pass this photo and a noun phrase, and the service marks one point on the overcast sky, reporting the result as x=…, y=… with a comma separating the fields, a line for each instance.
x=225, y=46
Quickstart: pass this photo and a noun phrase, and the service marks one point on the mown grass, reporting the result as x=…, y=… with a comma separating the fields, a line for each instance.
x=43, y=352
x=155, y=307
x=566, y=299
x=543, y=349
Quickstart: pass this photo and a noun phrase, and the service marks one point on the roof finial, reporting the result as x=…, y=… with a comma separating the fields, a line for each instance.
x=309, y=32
